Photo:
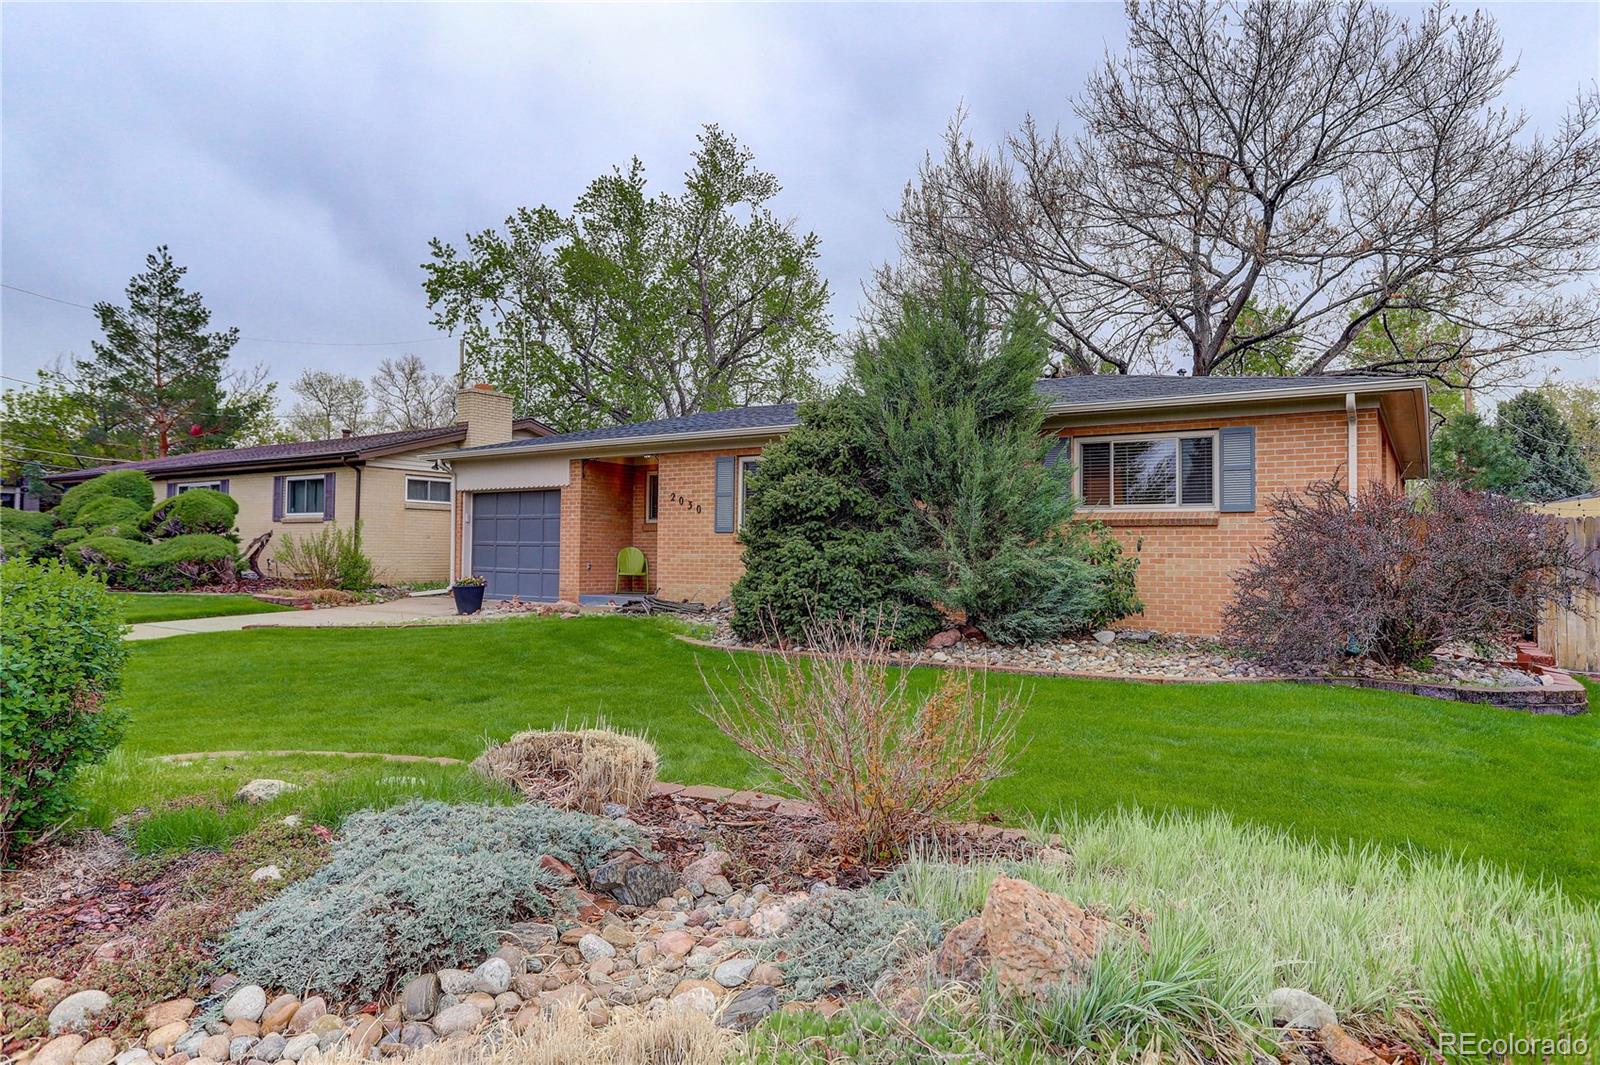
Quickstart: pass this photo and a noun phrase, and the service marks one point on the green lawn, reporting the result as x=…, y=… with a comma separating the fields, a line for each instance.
x=176, y=606
x=1323, y=762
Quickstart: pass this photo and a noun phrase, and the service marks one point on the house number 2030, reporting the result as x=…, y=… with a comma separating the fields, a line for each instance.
x=684, y=501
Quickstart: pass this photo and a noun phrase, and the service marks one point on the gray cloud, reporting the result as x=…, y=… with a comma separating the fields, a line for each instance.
x=298, y=158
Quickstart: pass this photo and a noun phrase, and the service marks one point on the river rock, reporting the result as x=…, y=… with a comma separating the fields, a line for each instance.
x=733, y=972
x=96, y=1052
x=492, y=977
x=457, y=982
x=695, y=1000
x=464, y=1017
x=59, y=1051
x=46, y=988
x=239, y=1047
x=175, y=1009
x=270, y=1048
x=162, y=1039
x=593, y=947
x=420, y=999
x=299, y=1046
x=77, y=1011
x=215, y=1048
x=248, y=1003
x=278, y=1014
x=748, y=1007
x=310, y=1010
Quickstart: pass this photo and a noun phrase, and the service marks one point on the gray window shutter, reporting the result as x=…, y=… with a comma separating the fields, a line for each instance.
x=223, y=486
x=1060, y=454
x=277, y=499
x=1238, y=457
x=328, y=480
x=725, y=471
x=172, y=489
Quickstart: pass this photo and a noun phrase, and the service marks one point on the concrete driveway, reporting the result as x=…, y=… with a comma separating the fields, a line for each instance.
x=437, y=609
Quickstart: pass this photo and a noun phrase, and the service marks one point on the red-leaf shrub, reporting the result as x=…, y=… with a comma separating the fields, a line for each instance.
x=1395, y=577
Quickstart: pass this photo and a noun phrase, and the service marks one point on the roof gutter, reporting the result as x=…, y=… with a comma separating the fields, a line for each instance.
x=712, y=436
x=1259, y=395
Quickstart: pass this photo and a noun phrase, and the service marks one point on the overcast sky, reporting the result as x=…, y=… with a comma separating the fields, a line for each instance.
x=297, y=159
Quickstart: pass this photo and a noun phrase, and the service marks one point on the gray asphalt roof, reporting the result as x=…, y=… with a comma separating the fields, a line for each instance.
x=1063, y=392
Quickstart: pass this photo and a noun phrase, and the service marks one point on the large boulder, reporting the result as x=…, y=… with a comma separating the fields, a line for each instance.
x=1031, y=940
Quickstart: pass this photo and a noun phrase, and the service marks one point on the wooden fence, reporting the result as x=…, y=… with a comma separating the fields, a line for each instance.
x=1573, y=635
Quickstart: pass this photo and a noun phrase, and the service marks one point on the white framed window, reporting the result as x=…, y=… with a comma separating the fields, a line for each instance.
x=652, y=498
x=427, y=490
x=189, y=486
x=302, y=496
x=1154, y=471
x=747, y=465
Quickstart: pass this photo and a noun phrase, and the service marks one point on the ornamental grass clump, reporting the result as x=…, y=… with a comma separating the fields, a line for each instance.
x=581, y=769
x=418, y=887
x=885, y=764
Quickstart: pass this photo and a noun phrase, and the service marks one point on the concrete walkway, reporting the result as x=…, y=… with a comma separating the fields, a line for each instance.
x=433, y=609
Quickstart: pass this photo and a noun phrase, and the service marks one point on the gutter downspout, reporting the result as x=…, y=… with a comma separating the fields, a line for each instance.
x=1350, y=442
x=454, y=569
x=356, y=466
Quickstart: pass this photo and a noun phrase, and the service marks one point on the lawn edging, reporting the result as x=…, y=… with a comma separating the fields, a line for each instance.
x=1562, y=695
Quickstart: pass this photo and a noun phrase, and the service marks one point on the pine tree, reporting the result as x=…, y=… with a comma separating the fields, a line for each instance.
x=1536, y=431
x=159, y=373
x=1470, y=451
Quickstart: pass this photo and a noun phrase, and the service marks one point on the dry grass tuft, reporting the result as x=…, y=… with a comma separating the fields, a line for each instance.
x=565, y=1037
x=578, y=770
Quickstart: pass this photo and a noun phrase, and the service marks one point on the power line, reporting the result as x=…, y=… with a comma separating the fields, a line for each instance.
x=257, y=340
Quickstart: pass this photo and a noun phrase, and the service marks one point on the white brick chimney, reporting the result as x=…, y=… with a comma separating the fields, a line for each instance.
x=487, y=414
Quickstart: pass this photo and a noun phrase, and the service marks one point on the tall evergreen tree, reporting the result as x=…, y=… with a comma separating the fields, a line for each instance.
x=985, y=524
x=1470, y=451
x=1537, y=432
x=159, y=373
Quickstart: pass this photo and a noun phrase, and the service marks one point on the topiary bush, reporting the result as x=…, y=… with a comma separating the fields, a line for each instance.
x=26, y=533
x=199, y=510
x=121, y=484
x=843, y=941
x=111, y=516
x=61, y=655
x=414, y=888
x=189, y=561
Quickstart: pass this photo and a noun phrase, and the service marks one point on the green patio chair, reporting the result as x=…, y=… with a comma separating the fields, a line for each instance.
x=630, y=563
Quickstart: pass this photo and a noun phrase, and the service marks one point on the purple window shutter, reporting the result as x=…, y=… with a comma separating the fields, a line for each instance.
x=328, y=480
x=172, y=489
x=277, y=499
x=223, y=486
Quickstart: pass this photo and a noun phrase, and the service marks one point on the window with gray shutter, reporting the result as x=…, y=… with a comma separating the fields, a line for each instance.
x=1237, y=445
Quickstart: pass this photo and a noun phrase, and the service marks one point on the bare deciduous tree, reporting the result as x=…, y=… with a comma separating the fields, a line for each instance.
x=329, y=404
x=1333, y=160
x=408, y=395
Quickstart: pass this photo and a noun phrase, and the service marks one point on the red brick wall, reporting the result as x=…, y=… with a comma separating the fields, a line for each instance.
x=643, y=533
x=697, y=563
x=1187, y=559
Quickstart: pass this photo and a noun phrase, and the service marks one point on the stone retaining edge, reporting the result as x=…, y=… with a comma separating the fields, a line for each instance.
x=1563, y=696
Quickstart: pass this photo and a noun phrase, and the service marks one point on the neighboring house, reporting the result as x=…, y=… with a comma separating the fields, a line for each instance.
x=401, y=498
x=1184, y=467
x=15, y=496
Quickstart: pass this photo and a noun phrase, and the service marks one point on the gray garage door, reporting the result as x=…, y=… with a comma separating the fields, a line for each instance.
x=516, y=543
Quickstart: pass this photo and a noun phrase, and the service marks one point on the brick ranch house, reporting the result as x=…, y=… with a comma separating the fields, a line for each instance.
x=401, y=498
x=1184, y=466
